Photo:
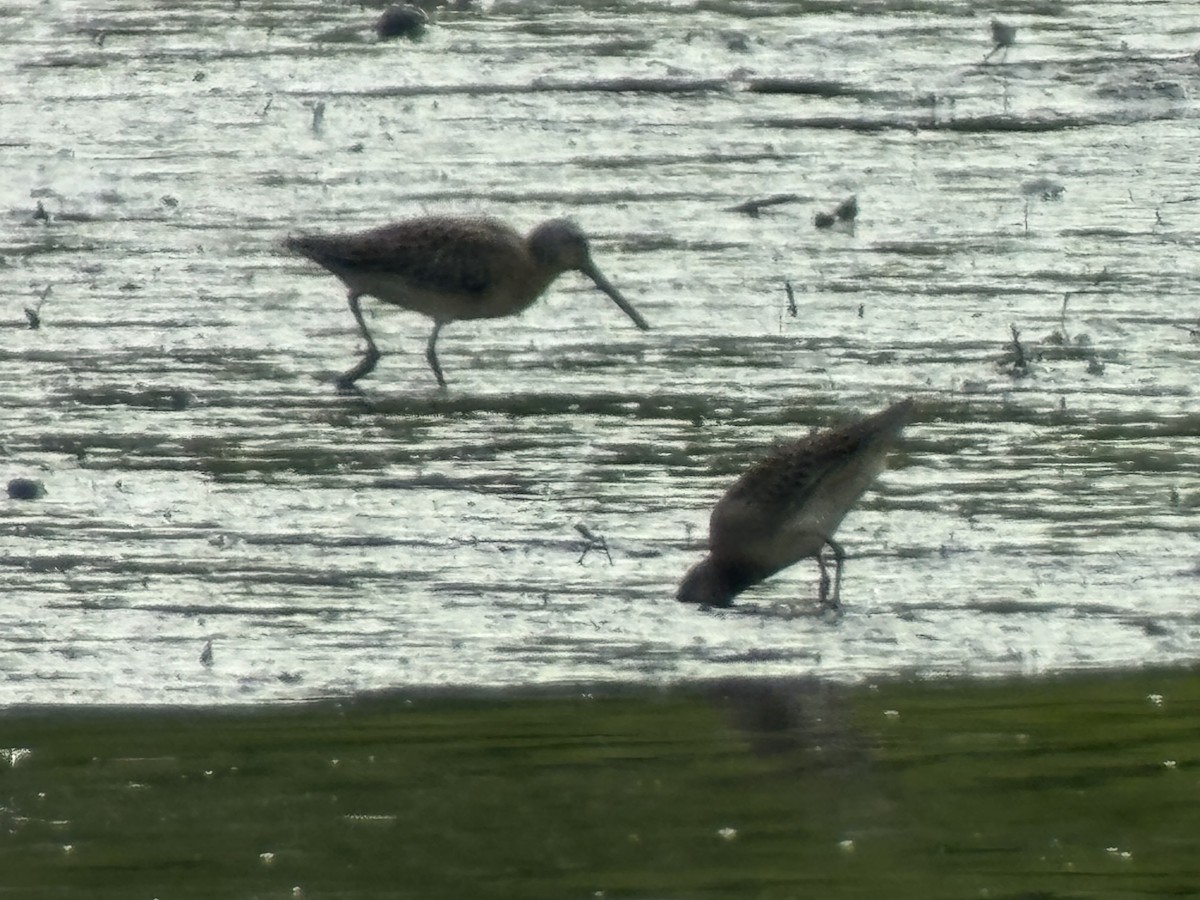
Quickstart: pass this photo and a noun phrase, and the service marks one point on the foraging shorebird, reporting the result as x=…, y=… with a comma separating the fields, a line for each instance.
x=1003, y=36
x=451, y=268
x=787, y=507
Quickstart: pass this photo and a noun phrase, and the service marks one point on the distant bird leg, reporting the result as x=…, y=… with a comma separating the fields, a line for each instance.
x=367, y=364
x=823, y=590
x=843, y=215
x=839, y=559
x=431, y=353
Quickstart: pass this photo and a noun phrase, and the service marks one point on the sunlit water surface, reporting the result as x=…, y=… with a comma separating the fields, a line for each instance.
x=204, y=480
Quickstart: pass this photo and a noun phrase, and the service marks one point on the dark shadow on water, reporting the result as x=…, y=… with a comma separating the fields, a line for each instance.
x=1081, y=786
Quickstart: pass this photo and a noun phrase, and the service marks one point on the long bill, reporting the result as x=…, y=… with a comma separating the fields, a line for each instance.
x=609, y=288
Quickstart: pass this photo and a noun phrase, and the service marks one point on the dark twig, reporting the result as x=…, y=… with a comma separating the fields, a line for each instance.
x=33, y=313
x=753, y=207
x=843, y=215
x=1018, y=349
x=1016, y=361
x=1194, y=331
x=594, y=542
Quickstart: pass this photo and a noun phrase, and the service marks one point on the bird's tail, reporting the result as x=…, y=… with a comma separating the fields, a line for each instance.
x=887, y=423
x=302, y=244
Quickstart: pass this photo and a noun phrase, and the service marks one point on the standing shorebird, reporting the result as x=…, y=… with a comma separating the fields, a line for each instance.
x=452, y=268
x=787, y=507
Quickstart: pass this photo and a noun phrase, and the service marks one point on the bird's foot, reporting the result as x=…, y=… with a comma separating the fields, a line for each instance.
x=345, y=384
x=366, y=365
x=830, y=609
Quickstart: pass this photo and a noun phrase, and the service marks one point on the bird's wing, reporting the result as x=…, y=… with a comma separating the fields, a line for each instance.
x=798, y=494
x=760, y=512
x=443, y=255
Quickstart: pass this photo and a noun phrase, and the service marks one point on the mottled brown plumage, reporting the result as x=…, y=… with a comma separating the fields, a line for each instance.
x=788, y=506
x=450, y=268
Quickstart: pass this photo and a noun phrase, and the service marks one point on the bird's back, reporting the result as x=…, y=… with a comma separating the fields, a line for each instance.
x=446, y=267
x=786, y=506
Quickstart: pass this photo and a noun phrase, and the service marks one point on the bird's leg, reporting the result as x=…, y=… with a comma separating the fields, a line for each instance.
x=431, y=354
x=370, y=358
x=839, y=559
x=823, y=590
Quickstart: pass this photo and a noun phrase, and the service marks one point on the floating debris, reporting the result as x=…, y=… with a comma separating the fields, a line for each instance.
x=843, y=215
x=734, y=41
x=26, y=489
x=404, y=21
x=847, y=210
x=1043, y=189
x=753, y=207
x=1003, y=36
x=1193, y=330
x=1016, y=361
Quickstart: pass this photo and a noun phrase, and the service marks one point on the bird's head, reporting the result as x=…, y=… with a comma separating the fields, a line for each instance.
x=708, y=584
x=560, y=243
x=560, y=246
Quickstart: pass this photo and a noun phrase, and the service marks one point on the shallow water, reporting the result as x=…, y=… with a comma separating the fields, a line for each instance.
x=205, y=481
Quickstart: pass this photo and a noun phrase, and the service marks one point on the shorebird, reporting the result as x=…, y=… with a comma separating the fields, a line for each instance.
x=450, y=268
x=1003, y=36
x=787, y=507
